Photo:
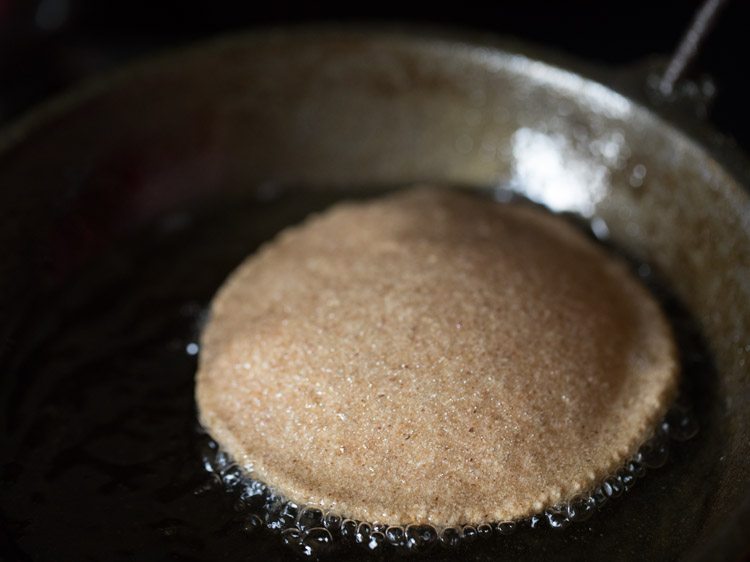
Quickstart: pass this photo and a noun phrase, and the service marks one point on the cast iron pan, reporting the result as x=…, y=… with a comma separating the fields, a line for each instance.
x=124, y=204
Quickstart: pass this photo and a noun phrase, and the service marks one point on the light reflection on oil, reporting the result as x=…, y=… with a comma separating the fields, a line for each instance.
x=546, y=169
x=550, y=169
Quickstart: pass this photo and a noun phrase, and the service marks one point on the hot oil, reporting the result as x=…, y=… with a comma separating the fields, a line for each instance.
x=103, y=459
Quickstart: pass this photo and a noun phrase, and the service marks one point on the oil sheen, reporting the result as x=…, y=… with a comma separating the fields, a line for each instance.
x=102, y=457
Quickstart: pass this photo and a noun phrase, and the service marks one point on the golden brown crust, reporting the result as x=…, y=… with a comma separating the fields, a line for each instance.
x=433, y=357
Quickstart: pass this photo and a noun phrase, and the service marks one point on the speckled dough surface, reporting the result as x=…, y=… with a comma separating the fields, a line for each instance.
x=433, y=357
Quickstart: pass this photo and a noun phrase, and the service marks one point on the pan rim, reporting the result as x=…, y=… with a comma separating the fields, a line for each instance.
x=608, y=87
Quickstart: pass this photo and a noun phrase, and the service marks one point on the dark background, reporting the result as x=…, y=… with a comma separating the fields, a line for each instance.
x=46, y=45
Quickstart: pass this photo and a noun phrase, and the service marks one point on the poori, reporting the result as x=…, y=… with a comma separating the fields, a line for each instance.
x=434, y=357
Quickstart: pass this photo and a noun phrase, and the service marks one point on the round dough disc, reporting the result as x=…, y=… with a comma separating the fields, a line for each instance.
x=436, y=357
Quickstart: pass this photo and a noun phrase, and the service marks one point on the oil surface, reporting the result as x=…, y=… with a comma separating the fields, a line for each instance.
x=102, y=458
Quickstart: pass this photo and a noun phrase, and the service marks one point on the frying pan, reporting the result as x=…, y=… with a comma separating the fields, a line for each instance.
x=327, y=110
